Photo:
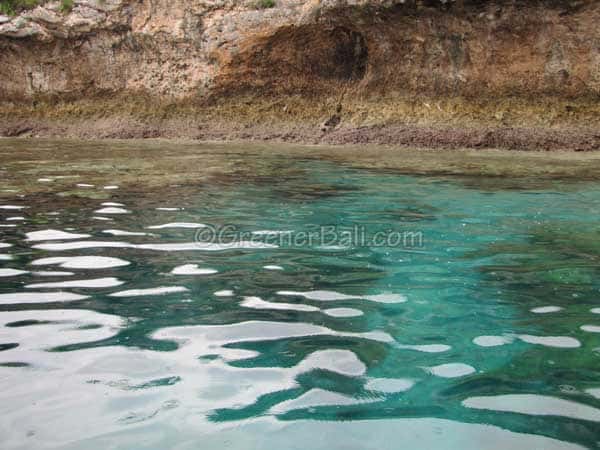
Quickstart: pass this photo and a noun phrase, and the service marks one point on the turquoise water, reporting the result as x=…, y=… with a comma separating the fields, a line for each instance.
x=472, y=322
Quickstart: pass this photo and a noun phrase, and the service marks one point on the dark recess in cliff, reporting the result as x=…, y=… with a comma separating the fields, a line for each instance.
x=301, y=59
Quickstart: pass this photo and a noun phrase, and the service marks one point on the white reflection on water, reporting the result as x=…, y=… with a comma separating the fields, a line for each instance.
x=177, y=225
x=451, y=370
x=125, y=233
x=258, y=303
x=192, y=269
x=39, y=297
x=161, y=290
x=52, y=273
x=92, y=283
x=328, y=296
x=11, y=272
x=257, y=331
x=546, y=309
x=82, y=262
x=12, y=207
x=317, y=397
x=389, y=385
x=112, y=210
x=343, y=312
x=171, y=247
x=538, y=405
x=52, y=235
x=492, y=341
x=223, y=293
x=551, y=341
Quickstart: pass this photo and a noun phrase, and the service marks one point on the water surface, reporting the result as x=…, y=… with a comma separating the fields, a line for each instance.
x=125, y=324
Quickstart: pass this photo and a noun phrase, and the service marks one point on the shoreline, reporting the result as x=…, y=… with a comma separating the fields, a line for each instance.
x=447, y=123
x=435, y=137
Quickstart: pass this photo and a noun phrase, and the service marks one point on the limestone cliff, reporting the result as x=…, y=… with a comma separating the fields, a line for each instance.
x=188, y=47
x=178, y=50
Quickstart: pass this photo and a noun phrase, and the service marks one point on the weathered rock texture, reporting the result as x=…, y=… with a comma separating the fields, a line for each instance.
x=366, y=54
x=183, y=48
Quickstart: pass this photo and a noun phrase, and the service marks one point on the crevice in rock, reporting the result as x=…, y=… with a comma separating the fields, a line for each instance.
x=295, y=58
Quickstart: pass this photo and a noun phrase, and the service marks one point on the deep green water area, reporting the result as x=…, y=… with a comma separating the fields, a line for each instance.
x=277, y=300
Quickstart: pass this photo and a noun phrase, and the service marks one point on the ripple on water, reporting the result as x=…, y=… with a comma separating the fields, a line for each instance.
x=53, y=235
x=389, y=385
x=170, y=247
x=451, y=370
x=317, y=397
x=81, y=245
x=192, y=269
x=52, y=273
x=327, y=296
x=11, y=272
x=37, y=331
x=223, y=293
x=258, y=303
x=39, y=297
x=161, y=290
x=382, y=434
x=93, y=283
x=252, y=331
x=426, y=348
x=82, y=262
x=551, y=341
x=492, y=341
x=595, y=392
x=112, y=210
x=536, y=405
x=546, y=309
x=177, y=225
x=343, y=312
x=124, y=233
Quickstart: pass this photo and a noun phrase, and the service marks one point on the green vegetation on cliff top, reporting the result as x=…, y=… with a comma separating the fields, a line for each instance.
x=12, y=7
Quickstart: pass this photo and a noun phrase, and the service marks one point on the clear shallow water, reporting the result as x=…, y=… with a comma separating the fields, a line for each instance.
x=119, y=330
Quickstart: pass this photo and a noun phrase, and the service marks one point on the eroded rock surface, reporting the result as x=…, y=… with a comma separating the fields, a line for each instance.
x=195, y=48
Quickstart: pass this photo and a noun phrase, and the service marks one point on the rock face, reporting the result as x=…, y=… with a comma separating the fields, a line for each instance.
x=202, y=48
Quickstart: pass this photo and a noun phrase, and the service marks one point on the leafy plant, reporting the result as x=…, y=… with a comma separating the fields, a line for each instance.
x=264, y=4
x=12, y=7
x=66, y=6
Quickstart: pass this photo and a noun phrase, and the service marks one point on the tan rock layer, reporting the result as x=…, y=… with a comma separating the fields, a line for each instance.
x=201, y=49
